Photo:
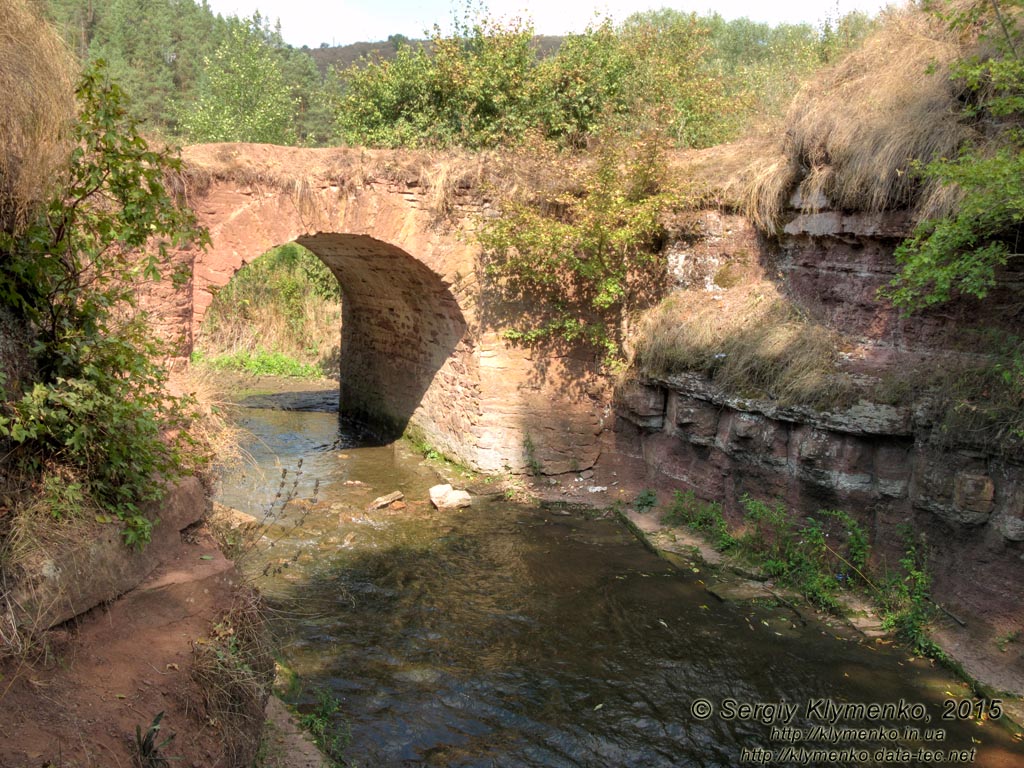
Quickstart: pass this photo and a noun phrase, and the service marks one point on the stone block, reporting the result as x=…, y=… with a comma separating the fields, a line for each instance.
x=695, y=420
x=974, y=492
x=642, y=404
x=446, y=497
x=58, y=581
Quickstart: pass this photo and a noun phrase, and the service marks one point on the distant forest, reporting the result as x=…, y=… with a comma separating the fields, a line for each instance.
x=196, y=76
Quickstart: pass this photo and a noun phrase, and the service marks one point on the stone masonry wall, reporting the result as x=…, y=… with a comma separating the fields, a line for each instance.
x=415, y=350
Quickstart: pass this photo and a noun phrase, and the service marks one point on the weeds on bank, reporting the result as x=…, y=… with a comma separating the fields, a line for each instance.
x=147, y=749
x=820, y=557
x=704, y=517
x=907, y=607
x=330, y=730
x=418, y=441
x=1004, y=640
x=233, y=669
x=260, y=363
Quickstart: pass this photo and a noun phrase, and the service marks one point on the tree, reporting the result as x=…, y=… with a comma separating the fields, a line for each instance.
x=242, y=94
x=134, y=38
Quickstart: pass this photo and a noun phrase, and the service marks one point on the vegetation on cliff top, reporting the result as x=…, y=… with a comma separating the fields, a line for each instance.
x=925, y=117
x=36, y=76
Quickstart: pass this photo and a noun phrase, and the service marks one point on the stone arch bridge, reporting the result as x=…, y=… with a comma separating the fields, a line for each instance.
x=395, y=229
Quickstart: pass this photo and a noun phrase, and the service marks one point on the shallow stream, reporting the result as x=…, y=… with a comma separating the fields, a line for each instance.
x=515, y=635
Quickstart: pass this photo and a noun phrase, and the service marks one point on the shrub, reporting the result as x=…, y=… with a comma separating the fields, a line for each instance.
x=98, y=405
x=577, y=263
x=473, y=88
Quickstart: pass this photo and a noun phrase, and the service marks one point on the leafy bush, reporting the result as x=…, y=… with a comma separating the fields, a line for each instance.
x=98, y=405
x=578, y=262
x=486, y=85
x=473, y=88
x=906, y=599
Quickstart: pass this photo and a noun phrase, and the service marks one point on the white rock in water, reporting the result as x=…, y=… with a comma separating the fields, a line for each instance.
x=446, y=497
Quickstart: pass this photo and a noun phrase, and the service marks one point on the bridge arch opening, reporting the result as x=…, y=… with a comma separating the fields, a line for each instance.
x=405, y=352
x=406, y=357
x=278, y=314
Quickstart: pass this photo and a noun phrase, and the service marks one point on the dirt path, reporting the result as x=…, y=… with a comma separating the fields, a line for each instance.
x=118, y=666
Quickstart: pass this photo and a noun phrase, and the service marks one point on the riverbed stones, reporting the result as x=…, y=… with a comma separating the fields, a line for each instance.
x=447, y=497
x=384, y=501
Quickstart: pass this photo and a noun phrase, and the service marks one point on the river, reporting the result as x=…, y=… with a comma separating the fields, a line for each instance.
x=522, y=635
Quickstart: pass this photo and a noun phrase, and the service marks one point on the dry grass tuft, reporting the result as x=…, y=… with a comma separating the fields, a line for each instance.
x=41, y=529
x=443, y=180
x=233, y=668
x=36, y=80
x=749, y=340
x=217, y=436
x=854, y=132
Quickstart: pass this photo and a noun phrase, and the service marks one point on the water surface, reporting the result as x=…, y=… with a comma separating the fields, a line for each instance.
x=512, y=635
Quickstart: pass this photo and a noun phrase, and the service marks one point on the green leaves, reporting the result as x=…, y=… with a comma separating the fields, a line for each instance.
x=242, y=94
x=486, y=85
x=474, y=88
x=98, y=411
x=961, y=253
x=580, y=262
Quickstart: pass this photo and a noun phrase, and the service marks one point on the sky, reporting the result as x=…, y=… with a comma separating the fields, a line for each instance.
x=340, y=22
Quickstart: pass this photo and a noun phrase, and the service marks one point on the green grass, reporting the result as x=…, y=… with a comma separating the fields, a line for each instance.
x=820, y=557
x=260, y=363
x=704, y=517
x=328, y=726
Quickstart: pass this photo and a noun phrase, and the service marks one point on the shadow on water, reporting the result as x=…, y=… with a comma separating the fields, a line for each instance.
x=508, y=635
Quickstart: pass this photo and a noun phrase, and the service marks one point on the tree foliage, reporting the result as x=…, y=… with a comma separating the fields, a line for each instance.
x=960, y=254
x=98, y=412
x=474, y=88
x=242, y=94
x=157, y=51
